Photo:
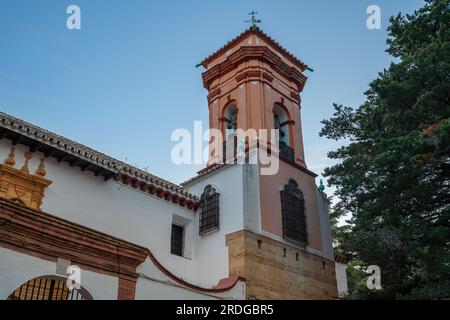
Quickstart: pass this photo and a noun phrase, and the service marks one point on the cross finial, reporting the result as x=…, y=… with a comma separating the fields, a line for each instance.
x=253, y=21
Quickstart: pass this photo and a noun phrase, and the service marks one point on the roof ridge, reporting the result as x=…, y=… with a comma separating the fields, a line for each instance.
x=205, y=172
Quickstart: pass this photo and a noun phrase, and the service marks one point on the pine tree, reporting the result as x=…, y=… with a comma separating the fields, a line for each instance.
x=393, y=177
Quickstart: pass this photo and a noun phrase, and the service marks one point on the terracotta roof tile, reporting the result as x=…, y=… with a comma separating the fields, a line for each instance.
x=85, y=153
x=266, y=37
x=205, y=172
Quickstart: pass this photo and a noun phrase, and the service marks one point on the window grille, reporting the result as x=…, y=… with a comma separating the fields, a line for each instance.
x=209, y=210
x=293, y=213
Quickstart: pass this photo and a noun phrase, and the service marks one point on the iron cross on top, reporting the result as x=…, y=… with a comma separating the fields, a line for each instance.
x=253, y=21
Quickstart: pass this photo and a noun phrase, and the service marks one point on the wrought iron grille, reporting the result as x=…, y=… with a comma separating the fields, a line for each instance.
x=45, y=288
x=176, y=243
x=286, y=151
x=293, y=213
x=209, y=206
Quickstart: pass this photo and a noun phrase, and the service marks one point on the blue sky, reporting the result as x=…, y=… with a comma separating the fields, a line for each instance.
x=127, y=79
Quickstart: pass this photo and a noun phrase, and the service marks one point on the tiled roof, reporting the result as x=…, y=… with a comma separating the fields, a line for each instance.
x=62, y=143
x=264, y=36
x=85, y=153
x=205, y=172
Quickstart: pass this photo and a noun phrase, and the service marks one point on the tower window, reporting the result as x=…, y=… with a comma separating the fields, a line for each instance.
x=282, y=124
x=209, y=210
x=230, y=121
x=176, y=240
x=293, y=213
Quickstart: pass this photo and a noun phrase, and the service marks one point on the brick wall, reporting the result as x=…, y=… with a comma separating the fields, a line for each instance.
x=273, y=270
x=127, y=288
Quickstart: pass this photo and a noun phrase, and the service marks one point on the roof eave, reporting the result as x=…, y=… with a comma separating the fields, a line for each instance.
x=255, y=30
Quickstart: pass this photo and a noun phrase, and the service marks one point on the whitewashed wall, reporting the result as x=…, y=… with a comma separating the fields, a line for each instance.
x=325, y=226
x=210, y=250
x=140, y=218
x=341, y=278
x=17, y=268
x=153, y=284
x=251, y=198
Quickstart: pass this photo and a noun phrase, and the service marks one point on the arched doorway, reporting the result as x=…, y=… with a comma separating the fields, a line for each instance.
x=48, y=288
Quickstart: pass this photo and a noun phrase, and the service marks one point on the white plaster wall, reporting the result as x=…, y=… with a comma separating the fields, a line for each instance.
x=325, y=226
x=17, y=268
x=153, y=284
x=140, y=218
x=210, y=251
x=153, y=290
x=110, y=207
x=341, y=278
x=252, y=211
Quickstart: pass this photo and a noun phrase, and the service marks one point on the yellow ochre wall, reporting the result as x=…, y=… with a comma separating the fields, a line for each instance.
x=271, y=270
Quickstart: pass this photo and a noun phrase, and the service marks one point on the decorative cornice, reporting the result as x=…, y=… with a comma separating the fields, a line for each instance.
x=178, y=197
x=256, y=31
x=295, y=96
x=46, y=236
x=212, y=168
x=49, y=237
x=214, y=94
x=261, y=53
x=248, y=74
x=63, y=149
x=59, y=142
x=21, y=186
x=267, y=76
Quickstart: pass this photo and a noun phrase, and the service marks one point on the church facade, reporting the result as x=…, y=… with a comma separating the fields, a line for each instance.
x=118, y=232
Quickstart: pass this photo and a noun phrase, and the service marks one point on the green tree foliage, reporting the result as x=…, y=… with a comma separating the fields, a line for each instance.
x=393, y=177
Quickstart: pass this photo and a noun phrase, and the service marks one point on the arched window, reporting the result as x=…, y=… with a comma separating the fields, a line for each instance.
x=293, y=213
x=230, y=119
x=281, y=121
x=209, y=210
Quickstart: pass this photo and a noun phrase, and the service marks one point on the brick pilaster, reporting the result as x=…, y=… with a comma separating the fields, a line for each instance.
x=127, y=288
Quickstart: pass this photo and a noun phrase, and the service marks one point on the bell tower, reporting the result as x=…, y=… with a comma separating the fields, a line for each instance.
x=254, y=83
x=284, y=249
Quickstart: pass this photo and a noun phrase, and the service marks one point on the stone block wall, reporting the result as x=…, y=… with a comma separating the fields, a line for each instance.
x=274, y=270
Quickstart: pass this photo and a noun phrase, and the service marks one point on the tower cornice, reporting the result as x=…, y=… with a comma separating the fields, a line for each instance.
x=261, y=53
x=256, y=31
